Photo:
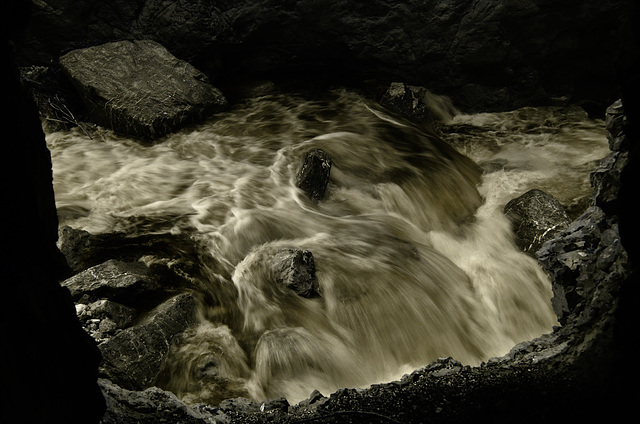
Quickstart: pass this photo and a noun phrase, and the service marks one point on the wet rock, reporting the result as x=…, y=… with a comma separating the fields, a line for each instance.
x=171, y=258
x=580, y=258
x=129, y=283
x=139, y=89
x=151, y=406
x=295, y=269
x=536, y=217
x=313, y=177
x=605, y=179
x=417, y=103
x=134, y=357
x=117, y=317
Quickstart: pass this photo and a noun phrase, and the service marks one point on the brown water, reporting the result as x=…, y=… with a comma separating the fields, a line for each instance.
x=414, y=258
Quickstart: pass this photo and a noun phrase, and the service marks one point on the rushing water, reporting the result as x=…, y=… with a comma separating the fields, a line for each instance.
x=414, y=257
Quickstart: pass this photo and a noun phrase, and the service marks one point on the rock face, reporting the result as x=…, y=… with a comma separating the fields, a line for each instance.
x=313, y=177
x=536, y=217
x=134, y=357
x=296, y=270
x=139, y=89
x=500, y=54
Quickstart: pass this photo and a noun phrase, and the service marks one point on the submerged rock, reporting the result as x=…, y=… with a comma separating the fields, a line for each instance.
x=134, y=357
x=536, y=217
x=139, y=89
x=296, y=270
x=313, y=177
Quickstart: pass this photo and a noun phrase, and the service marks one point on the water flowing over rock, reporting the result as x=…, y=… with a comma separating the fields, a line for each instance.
x=139, y=89
x=537, y=217
x=591, y=267
x=417, y=103
x=134, y=357
x=313, y=177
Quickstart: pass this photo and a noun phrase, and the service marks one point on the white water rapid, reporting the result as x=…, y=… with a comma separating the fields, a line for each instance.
x=414, y=257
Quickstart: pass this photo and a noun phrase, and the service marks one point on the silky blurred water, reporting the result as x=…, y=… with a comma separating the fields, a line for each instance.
x=414, y=257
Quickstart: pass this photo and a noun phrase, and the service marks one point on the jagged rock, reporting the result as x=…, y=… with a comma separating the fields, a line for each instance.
x=139, y=89
x=152, y=406
x=134, y=357
x=129, y=283
x=580, y=257
x=536, y=217
x=83, y=250
x=416, y=103
x=313, y=177
x=114, y=315
x=605, y=179
x=296, y=270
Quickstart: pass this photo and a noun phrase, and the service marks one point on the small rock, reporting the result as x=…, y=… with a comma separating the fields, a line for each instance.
x=313, y=177
x=296, y=270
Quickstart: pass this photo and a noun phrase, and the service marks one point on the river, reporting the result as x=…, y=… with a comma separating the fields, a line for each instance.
x=414, y=257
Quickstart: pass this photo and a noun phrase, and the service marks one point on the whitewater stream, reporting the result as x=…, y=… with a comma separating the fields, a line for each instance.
x=414, y=257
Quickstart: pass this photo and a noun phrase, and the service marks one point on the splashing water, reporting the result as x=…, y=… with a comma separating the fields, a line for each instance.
x=414, y=257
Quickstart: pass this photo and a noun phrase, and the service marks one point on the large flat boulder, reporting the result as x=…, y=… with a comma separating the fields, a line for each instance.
x=139, y=89
x=133, y=358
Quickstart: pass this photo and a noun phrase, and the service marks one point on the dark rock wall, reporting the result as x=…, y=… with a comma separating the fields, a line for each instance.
x=48, y=363
x=497, y=54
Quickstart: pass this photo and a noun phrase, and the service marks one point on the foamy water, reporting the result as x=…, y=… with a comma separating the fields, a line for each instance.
x=414, y=258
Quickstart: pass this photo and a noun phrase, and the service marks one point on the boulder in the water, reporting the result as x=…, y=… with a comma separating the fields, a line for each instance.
x=139, y=89
x=296, y=270
x=313, y=177
x=536, y=217
x=417, y=103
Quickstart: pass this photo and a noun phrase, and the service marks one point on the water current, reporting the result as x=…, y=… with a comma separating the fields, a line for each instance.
x=414, y=257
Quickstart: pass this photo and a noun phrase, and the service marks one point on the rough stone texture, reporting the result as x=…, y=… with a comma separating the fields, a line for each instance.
x=494, y=54
x=134, y=357
x=313, y=176
x=536, y=217
x=416, y=103
x=139, y=89
x=296, y=270
x=125, y=282
x=83, y=250
x=103, y=318
x=606, y=178
x=150, y=406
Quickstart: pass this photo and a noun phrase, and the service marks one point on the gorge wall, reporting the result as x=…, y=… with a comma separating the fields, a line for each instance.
x=498, y=54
